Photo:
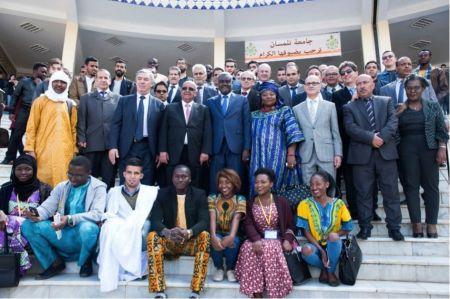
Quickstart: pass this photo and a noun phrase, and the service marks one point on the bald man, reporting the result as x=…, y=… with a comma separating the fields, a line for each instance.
x=371, y=124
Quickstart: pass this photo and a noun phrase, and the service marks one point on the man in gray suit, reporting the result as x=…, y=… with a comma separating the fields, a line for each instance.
x=396, y=89
x=95, y=114
x=371, y=125
x=293, y=86
x=322, y=148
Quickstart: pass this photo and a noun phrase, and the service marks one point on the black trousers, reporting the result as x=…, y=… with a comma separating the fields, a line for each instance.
x=365, y=178
x=419, y=168
x=16, y=137
x=196, y=170
x=140, y=150
x=346, y=172
x=102, y=167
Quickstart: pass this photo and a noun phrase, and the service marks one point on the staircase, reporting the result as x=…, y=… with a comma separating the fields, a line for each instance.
x=415, y=268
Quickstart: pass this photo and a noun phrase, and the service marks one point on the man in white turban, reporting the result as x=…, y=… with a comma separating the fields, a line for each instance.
x=51, y=130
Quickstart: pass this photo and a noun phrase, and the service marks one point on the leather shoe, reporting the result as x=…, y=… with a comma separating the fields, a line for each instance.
x=396, y=235
x=364, y=234
x=51, y=271
x=86, y=269
x=376, y=217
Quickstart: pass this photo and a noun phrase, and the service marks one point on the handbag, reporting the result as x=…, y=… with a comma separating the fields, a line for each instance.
x=295, y=192
x=298, y=268
x=9, y=266
x=350, y=260
x=4, y=138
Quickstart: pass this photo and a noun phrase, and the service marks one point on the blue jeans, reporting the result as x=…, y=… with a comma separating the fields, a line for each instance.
x=230, y=254
x=333, y=251
x=77, y=242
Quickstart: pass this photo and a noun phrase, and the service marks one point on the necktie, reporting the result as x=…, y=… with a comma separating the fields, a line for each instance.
x=333, y=89
x=401, y=93
x=170, y=93
x=370, y=114
x=312, y=110
x=187, y=112
x=199, y=95
x=102, y=94
x=224, y=104
x=139, y=131
x=293, y=92
x=244, y=93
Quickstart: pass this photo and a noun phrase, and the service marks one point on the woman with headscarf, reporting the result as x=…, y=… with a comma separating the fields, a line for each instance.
x=275, y=134
x=22, y=192
x=51, y=130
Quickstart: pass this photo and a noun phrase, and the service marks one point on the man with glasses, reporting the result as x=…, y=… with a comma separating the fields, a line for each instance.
x=204, y=91
x=80, y=202
x=185, y=134
x=160, y=92
x=293, y=87
x=313, y=70
x=322, y=148
x=174, y=91
x=332, y=79
x=230, y=118
x=389, y=74
x=247, y=81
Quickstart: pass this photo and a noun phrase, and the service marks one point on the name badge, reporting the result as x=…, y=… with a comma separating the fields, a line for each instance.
x=270, y=234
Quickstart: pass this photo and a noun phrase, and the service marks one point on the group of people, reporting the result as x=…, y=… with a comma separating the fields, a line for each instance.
x=236, y=135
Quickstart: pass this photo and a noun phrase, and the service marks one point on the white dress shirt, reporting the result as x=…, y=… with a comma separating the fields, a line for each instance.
x=397, y=90
x=146, y=100
x=89, y=81
x=185, y=105
x=312, y=106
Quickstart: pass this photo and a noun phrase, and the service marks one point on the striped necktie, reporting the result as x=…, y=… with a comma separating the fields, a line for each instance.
x=370, y=113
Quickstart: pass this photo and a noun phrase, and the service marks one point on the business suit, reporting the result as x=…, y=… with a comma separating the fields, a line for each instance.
x=285, y=93
x=253, y=99
x=126, y=86
x=172, y=137
x=369, y=163
x=231, y=134
x=164, y=215
x=176, y=94
x=122, y=134
x=301, y=97
x=322, y=140
x=207, y=92
x=390, y=90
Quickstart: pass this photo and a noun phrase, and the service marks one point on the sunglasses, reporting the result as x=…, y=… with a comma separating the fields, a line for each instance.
x=349, y=71
x=331, y=74
x=188, y=88
x=161, y=91
x=387, y=57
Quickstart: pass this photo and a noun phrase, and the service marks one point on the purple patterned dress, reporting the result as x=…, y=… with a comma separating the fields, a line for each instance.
x=17, y=242
x=267, y=271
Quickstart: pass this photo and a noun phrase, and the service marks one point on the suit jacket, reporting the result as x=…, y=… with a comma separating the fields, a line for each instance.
x=340, y=98
x=165, y=209
x=78, y=87
x=253, y=99
x=174, y=129
x=389, y=90
x=123, y=125
x=208, y=92
x=126, y=86
x=322, y=135
x=301, y=97
x=177, y=97
x=285, y=94
x=234, y=126
x=439, y=82
x=358, y=129
x=95, y=115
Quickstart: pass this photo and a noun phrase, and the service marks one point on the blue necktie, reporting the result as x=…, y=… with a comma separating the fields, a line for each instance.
x=293, y=92
x=401, y=93
x=102, y=94
x=224, y=104
x=170, y=93
x=139, y=131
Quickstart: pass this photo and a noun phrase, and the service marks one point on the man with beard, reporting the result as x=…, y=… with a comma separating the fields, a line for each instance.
x=121, y=85
x=182, y=65
x=85, y=83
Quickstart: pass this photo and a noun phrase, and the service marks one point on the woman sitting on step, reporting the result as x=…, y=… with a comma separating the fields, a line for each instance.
x=22, y=192
x=322, y=220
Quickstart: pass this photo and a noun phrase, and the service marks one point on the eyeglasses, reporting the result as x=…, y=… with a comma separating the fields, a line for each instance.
x=312, y=83
x=246, y=79
x=331, y=74
x=387, y=57
x=161, y=91
x=343, y=73
x=188, y=88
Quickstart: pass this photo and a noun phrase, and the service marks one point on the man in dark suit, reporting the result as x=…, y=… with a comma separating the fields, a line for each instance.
x=264, y=72
x=174, y=89
x=95, y=114
x=247, y=81
x=332, y=79
x=121, y=85
x=204, y=91
x=371, y=125
x=182, y=65
x=134, y=129
x=230, y=117
x=293, y=87
x=185, y=135
x=179, y=223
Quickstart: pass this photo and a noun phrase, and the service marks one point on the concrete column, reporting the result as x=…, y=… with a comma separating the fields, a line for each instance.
x=219, y=52
x=368, y=43
x=384, y=37
x=70, y=45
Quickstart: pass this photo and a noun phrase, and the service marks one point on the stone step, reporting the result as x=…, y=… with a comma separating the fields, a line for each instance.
x=380, y=230
x=72, y=286
x=443, y=211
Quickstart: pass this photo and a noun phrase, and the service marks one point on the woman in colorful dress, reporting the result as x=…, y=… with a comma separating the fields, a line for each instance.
x=226, y=209
x=275, y=134
x=22, y=192
x=323, y=219
x=261, y=265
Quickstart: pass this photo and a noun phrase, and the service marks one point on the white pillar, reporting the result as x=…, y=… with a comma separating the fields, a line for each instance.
x=219, y=52
x=70, y=46
x=384, y=37
x=368, y=43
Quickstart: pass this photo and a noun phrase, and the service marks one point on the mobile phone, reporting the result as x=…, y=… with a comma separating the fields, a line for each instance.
x=34, y=211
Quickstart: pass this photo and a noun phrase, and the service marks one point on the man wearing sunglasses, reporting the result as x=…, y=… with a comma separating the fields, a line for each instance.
x=390, y=73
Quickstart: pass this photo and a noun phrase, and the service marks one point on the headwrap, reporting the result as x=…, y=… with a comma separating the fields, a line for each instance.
x=265, y=86
x=25, y=189
x=51, y=94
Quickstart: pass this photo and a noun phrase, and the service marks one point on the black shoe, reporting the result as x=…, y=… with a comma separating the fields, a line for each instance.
x=376, y=217
x=396, y=235
x=364, y=234
x=432, y=235
x=403, y=202
x=6, y=162
x=86, y=269
x=418, y=235
x=51, y=271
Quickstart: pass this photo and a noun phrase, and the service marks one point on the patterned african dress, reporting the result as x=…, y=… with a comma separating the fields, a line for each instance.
x=320, y=221
x=17, y=242
x=267, y=271
x=272, y=133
